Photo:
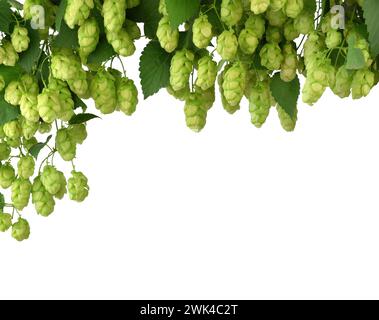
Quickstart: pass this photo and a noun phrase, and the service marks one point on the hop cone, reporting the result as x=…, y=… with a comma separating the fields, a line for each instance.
x=342, y=87
x=363, y=82
x=227, y=45
x=77, y=11
x=29, y=107
x=103, y=91
x=293, y=8
x=231, y=12
x=13, y=93
x=51, y=179
x=78, y=133
x=21, y=230
x=43, y=201
x=206, y=73
x=49, y=106
x=25, y=167
x=202, y=32
x=226, y=105
x=276, y=18
x=290, y=62
x=248, y=41
x=260, y=103
x=13, y=129
x=121, y=42
x=21, y=189
x=168, y=37
x=65, y=98
x=29, y=129
x=256, y=24
x=127, y=96
x=114, y=14
x=181, y=68
x=271, y=56
x=20, y=39
x=78, y=188
x=65, y=145
x=7, y=175
x=88, y=36
x=5, y=151
x=259, y=6
x=5, y=221
x=234, y=84
x=288, y=123
x=9, y=54
x=196, y=114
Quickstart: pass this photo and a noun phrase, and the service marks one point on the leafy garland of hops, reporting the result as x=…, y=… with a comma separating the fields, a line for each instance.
x=264, y=45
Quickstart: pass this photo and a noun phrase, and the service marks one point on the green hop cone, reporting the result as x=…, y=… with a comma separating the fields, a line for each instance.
x=226, y=105
x=181, y=68
x=234, y=84
x=248, y=41
x=290, y=32
x=181, y=95
x=121, y=42
x=259, y=6
x=277, y=4
x=304, y=22
x=127, y=96
x=293, y=8
x=320, y=75
x=314, y=44
x=342, y=87
x=231, y=12
x=168, y=37
x=78, y=133
x=163, y=8
x=20, y=39
x=21, y=230
x=65, y=145
x=65, y=98
x=290, y=63
x=7, y=175
x=288, y=123
x=206, y=73
x=202, y=32
x=103, y=92
x=29, y=129
x=65, y=65
x=44, y=127
x=88, y=36
x=77, y=12
x=80, y=85
x=29, y=107
x=29, y=84
x=256, y=24
x=78, y=188
x=132, y=29
x=5, y=221
x=43, y=201
x=21, y=189
x=333, y=39
x=13, y=129
x=63, y=189
x=14, y=143
x=207, y=97
x=114, y=14
x=2, y=134
x=5, y=151
x=260, y=103
x=271, y=56
x=363, y=82
x=25, y=167
x=51, y=179
x=13, y=93
x=49, y=106
x=195, y=113
x=9, y=55
x=276, y=18
x=227, y=45
x=274, y=35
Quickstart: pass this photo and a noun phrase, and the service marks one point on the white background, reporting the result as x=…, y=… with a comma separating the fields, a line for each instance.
x=231, y=213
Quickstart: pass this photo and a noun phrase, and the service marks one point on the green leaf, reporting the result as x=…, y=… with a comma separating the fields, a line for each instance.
x=104, y=51
x=29, y=58
x=36, y=149
x=2, y=202
x=7, y=111
x=78, y=103
x=181, y=11
x=147, y=13
x=310, y=5
x=371, y=9
x=355, y=59
x=5, y=16
x=285, y=94
x=82, y=118
x=9, y=73
x=60, y=14
x=67, y=38
x=154, y=69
